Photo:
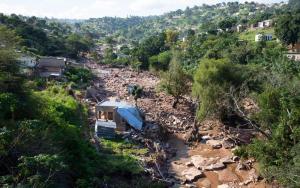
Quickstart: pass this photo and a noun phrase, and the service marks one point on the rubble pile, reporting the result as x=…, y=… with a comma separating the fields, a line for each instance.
x=157, y=106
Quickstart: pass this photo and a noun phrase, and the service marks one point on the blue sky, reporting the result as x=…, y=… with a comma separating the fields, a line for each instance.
x=82, y=9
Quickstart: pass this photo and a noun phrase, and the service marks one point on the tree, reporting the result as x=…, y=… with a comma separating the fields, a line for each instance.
x=76, y=44
x=160, y=61
x=213, y=82
x=294, y=4
x=175, y=81
x=227, y=23
x=171, y=37
x=288, y=28
x=137, y=92
x=109, y=56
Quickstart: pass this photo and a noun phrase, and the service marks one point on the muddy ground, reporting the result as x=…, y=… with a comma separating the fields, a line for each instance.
x=157, y=106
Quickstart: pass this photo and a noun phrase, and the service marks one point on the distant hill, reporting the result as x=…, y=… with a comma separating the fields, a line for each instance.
x=200, y=18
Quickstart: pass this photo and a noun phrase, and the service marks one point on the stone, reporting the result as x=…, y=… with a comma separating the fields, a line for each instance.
x=228, y=144
x=200, y=162
x=224, y=186
x=227, y=160
x=192, y=174
x=189, y=164
x=190, y=185
x=216, y=166
x=206, y=137
x=241, y=166
x=215, y=144
x=235, y=158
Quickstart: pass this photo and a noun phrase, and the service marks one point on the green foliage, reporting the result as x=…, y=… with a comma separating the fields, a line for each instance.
x=161, y=61
x=79, y=76
x=175, y=81
x=213, y=83
x=288, y=29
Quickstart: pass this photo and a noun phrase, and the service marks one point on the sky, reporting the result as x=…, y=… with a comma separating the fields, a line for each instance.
x=83, y=9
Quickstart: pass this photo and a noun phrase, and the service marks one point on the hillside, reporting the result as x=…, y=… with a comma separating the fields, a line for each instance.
x=201, y=18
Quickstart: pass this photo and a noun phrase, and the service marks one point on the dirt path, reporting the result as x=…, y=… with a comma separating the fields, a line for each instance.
x=112, y=83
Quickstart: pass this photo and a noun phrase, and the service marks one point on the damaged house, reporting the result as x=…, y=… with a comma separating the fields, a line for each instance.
x=118, y=116
x=50, y=67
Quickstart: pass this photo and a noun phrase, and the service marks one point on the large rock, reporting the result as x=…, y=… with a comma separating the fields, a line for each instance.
x=224, y=186
x=192, y=174
x=228, y=144
x=216, y=166
x=215, y=144
x=200, y=162
x=227, y=160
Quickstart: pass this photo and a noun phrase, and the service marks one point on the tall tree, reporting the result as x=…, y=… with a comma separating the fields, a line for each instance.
x=288, y=28
x=175, y=81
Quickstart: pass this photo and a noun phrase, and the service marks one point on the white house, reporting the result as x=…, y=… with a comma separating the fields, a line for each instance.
x=263, y=37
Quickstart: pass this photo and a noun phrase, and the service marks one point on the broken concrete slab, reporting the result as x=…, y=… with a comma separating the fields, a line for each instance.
x=192, y=174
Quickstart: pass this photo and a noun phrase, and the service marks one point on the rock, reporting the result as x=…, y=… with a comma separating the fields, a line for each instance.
x=224, y=186
x=227, y=176
x=200, y=162
x=235, y=158
x=189, y=164
x=206, y=137
x=228, y=144
x=215, y=144
x=216, y=166
x=190, y=185
x=227, y=160
x=192, y=174
x=241, y=166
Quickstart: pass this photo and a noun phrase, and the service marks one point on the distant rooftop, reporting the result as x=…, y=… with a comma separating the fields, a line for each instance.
x=51, y=62
x=114, y=103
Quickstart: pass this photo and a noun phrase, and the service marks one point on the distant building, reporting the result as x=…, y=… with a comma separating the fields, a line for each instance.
x=265, y=24
x=27, y=63
x=294, y=52
x=240, y=28
x=263, y=37
x=50, y=67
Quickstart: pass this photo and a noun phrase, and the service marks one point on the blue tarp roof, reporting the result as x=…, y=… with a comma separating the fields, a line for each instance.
x=132, y=116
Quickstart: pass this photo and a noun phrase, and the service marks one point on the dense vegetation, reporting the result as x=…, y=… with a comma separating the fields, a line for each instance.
x=44, y=138
x=46, y=38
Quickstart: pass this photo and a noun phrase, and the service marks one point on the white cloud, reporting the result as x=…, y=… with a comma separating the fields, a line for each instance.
x=99, y=8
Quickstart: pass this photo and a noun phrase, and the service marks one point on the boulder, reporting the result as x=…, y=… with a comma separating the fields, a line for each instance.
x=215, y=144
x=228, y=144
x=200, y=162
x=192, y=174
x=224, y=186
x=227, y=160
x=189, y=164
x=216, y=166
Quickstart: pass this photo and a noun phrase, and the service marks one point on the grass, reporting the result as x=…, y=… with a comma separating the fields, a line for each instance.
x=122, y=156
x=250, y=35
